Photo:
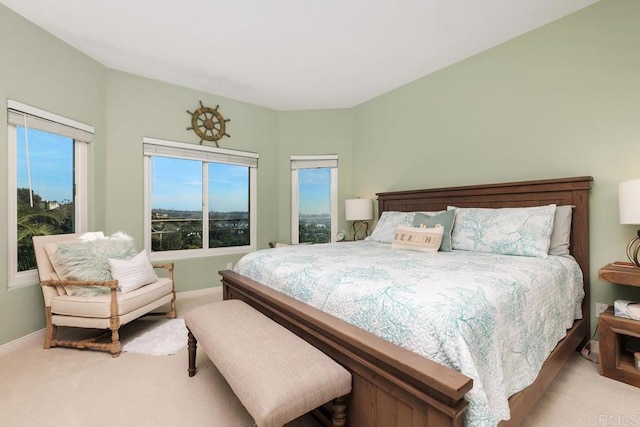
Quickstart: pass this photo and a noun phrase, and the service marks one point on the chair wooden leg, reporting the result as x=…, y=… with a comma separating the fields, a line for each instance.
x=115, y=347
x=51, y=330
x=339, y=412
x=172, y=314
x=192, y=344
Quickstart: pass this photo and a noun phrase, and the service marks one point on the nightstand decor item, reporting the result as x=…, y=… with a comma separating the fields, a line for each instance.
x=626, y=309
x=629, y=202
x=359, y=211
x=208, y=124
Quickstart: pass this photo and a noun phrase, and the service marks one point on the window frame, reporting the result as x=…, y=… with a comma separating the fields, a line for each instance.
x=200, y=152
x=329, y=161
x=16, y=279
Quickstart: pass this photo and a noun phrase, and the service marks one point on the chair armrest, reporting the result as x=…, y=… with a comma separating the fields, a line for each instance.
x=168, y=266
x=113, y=291
x=111, y=284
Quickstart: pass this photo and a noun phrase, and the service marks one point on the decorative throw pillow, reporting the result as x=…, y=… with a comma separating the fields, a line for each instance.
x=561, y=233
x=89, y=260
x=387, y=224
x=423, y=239
x=132, y=273
x=92, y=235
x=445, y=219
x=507, y=231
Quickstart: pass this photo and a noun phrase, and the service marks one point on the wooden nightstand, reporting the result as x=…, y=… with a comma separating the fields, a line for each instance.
x=621, y=275
x=615, y=362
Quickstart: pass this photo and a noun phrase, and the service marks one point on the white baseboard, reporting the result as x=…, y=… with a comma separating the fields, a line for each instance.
x=199, y=292
x=594, y=351
x=38, y=336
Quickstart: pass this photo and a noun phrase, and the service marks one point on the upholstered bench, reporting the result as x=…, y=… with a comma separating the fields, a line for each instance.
x=276, y=375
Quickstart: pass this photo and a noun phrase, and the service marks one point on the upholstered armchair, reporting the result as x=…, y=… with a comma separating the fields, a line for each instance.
x=80, y=290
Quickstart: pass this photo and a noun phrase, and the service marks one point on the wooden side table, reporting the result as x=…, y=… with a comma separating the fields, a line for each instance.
x=615, y=362
x=621, y=275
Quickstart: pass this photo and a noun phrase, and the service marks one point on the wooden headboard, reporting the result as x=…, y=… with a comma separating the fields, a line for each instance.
x=563, y=191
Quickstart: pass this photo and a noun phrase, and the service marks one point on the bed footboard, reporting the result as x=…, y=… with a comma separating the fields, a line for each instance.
x=391, y=386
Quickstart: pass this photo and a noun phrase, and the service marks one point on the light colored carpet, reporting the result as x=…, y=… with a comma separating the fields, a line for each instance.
x=68, y=388
x=579, y=396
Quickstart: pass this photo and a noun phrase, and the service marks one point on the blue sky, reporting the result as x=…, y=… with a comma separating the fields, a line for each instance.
x=315, y=191
x=51, y=160
x=177, y=184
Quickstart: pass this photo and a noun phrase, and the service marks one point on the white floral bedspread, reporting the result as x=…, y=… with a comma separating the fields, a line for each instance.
x=494, y=318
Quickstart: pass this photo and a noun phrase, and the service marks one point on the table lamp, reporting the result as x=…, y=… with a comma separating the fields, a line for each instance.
x=629, y=204
x=359, y=211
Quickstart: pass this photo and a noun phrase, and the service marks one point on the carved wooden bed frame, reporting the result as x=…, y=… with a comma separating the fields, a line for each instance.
x=393, y=386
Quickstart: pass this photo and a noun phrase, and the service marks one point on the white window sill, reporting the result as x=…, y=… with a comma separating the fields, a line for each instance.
x=24, y=279
x=199, y=253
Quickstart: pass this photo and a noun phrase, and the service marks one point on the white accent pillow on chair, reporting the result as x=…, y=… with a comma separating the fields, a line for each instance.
x=132, y=273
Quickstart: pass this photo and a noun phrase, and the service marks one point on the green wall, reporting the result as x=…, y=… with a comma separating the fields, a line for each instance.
x=563, y=100
x=315, y=132
x=560, y=101
x=39, y=70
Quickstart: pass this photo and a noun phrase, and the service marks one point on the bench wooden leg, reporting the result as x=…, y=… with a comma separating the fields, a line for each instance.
x=339, y=412
x=192, y=345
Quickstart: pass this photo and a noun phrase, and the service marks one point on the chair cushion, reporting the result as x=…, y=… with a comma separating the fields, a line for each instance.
x=100, y=306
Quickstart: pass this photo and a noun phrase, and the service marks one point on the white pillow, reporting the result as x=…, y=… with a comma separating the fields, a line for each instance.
x=92, y=235
x=561, y=233
x=132, y=273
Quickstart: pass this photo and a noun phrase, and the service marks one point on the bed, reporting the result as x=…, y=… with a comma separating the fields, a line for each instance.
x=393, y=386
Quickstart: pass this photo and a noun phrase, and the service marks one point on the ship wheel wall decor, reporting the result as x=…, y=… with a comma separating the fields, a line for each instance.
x=208, y=124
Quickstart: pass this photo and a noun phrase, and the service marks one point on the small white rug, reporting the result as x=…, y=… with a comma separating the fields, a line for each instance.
x=158, y=337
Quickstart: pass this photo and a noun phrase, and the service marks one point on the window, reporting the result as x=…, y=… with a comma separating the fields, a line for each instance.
x=314, y=199
x=199, y=200
x=47, y=182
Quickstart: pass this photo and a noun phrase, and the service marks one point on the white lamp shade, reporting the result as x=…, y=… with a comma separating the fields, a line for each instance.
x=629, y=201
x=358, y=209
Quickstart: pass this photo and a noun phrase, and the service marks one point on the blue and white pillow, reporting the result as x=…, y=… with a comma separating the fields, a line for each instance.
x=506, y=231
x=387, y=224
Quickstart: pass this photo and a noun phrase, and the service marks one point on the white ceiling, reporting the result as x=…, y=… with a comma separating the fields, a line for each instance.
x=288, y=54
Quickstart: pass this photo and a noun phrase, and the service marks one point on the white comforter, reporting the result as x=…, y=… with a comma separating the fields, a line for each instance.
x=494, y=318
